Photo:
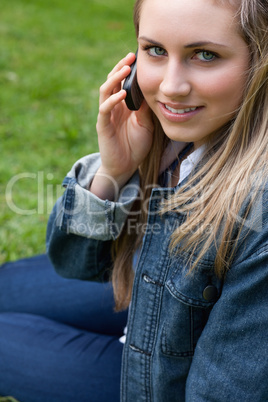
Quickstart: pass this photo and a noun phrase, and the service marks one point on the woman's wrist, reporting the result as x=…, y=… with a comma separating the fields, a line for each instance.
x=107, y=186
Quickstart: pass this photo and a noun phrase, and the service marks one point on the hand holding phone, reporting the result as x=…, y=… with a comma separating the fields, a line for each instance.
x=124, y=141
x=134, y=96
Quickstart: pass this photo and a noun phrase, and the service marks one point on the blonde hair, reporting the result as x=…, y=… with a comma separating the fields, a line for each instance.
x=236, y=165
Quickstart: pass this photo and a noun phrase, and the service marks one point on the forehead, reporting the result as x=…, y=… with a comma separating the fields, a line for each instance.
x=189, y=18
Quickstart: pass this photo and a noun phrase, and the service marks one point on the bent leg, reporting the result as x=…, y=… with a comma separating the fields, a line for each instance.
x=32, y=286
x=46, y=361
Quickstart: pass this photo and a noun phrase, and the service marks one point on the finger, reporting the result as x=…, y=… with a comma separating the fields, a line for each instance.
x=113, y=84
x=128, y=60
x=112, y=77
x=105, y=109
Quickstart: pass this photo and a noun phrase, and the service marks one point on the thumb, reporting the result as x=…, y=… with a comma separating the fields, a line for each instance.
x=144, y=116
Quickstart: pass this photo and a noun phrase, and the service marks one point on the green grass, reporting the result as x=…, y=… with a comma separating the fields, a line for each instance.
x=54, y=55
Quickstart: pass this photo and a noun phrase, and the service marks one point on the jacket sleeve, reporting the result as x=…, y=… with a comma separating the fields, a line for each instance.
x=230, y=361
x=81, y=227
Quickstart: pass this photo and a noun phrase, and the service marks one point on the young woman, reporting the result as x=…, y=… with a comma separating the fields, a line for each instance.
x=174, y=208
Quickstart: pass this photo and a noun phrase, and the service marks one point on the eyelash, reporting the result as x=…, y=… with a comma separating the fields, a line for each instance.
x=146, y=48
x=215, y=55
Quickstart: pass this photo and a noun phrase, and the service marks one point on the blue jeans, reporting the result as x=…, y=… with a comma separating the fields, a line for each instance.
x=58, y=337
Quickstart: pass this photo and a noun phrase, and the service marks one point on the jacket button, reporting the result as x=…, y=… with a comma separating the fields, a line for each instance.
x=210, y=293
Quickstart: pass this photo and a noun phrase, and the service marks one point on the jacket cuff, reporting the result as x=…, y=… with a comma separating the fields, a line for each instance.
x=85, y=214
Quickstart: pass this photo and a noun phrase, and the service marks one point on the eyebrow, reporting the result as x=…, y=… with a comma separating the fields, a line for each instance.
x=191, y=45
x=204, y=43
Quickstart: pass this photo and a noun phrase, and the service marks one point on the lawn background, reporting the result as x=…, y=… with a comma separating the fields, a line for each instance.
x=54, y=55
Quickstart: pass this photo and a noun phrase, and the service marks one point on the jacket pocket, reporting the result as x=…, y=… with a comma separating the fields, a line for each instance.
x=187, y=302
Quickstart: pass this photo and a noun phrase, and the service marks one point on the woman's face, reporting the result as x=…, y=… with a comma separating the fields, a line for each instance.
x=192, y=65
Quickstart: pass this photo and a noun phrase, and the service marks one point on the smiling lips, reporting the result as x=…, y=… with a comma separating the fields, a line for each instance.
x=180, y=115
x=180, y=111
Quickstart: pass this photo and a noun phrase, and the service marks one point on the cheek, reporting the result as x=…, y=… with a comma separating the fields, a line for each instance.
x=226, y=90
x=148, y=80
x=236, y=88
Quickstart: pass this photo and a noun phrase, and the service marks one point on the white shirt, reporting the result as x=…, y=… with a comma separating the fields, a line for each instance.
x=188, y=164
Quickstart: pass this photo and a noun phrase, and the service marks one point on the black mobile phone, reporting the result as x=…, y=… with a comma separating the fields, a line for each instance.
x=134, y=96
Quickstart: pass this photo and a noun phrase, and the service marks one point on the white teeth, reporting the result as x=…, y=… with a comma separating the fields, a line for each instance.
x=180, y=111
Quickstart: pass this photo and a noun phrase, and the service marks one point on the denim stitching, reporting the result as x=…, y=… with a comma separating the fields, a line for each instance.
x=69, y=198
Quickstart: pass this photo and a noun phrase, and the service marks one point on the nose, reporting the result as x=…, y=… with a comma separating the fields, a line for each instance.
x=176, y=81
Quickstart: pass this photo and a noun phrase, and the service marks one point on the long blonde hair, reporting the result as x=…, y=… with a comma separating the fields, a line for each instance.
x=236, y=165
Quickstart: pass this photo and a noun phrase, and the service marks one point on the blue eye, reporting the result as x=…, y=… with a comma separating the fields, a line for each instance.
x=205, y=55
x=156, y=51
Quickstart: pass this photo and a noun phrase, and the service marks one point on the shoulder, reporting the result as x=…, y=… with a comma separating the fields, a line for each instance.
x=253, y=225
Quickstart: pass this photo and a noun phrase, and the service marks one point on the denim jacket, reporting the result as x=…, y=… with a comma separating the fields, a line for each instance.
x=191, y=337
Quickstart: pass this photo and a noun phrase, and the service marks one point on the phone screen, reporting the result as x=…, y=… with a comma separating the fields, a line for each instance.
x=134, y=96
